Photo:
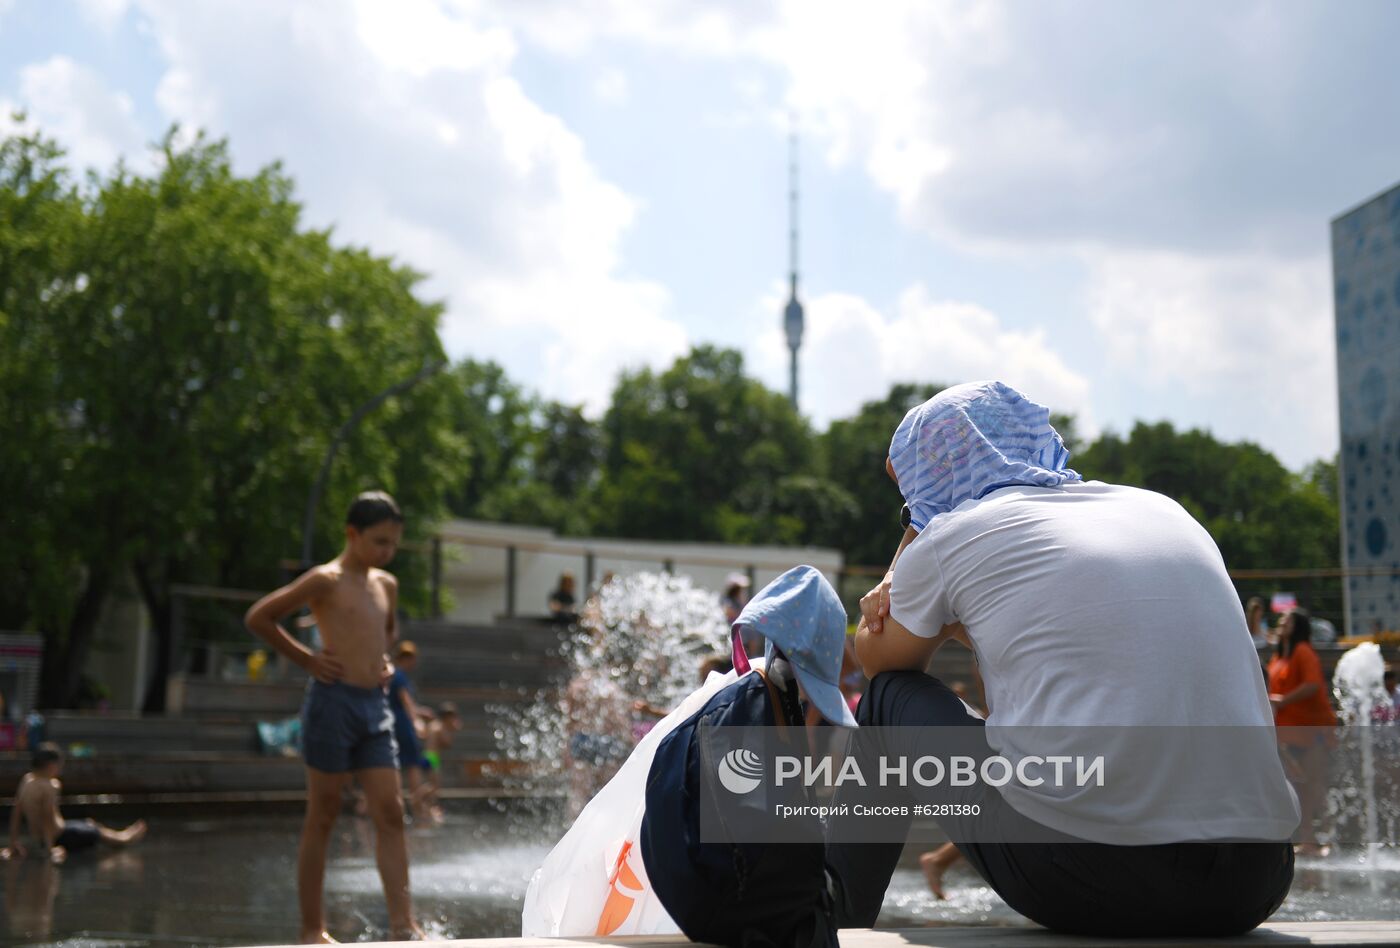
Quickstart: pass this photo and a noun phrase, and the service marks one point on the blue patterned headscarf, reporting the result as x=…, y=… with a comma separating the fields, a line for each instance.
x=970, y=439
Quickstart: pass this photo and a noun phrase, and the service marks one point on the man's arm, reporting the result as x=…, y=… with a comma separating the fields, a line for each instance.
x=875, y=605
x=262, y=618
x=897, y=649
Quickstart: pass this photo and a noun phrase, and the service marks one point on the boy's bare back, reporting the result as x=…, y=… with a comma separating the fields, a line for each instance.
x=37, y=801
x=355, y=614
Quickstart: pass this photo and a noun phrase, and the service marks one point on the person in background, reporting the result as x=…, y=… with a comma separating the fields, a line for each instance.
x=1258, y=624
x=437, y=738
x=36, y=807
x=736, y=596
x=715, y=664
x=347, y=726
x=1298, y=693
x=563, y=602
x=1389, y=711
x=592, y=611
x=407, y=715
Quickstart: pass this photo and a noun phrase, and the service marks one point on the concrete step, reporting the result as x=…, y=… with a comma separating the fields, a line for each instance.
x=522, y=635
x=138, y=737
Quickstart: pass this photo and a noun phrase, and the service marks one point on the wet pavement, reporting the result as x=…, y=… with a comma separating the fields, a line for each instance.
x=231, y=881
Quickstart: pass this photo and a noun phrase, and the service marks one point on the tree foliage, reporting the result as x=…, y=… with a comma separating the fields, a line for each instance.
x=200, y=349
x=703, y=452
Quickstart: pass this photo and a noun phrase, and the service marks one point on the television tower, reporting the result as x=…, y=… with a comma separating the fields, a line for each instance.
x=793, y=318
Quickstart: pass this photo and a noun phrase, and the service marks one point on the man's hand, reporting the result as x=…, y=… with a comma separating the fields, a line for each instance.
x=875, y=605
x=324, y=667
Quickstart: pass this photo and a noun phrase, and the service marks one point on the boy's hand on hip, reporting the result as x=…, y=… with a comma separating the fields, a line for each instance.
x=875, y=605
x=325, y=668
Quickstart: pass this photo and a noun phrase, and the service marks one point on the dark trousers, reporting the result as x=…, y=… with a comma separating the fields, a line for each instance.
x=1068, y=885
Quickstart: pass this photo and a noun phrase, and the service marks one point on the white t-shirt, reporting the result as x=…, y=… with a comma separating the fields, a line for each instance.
x=1091, y=604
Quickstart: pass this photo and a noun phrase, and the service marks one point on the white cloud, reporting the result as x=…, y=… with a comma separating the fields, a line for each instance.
x=611, y=86
x=406, y=128
x=1250, y=336
x=72, y=104
x=1189, y=158
x=852, y=353
x=104, y=14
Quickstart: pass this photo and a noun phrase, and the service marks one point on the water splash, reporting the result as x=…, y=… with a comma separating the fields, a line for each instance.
x=641, y=639
x=1358, y=683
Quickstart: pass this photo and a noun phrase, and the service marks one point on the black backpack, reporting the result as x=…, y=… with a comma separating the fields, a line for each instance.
x=732, y=891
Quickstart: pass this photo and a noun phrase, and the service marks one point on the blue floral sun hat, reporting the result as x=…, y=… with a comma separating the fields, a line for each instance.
x=970, y=439
x=800, y=613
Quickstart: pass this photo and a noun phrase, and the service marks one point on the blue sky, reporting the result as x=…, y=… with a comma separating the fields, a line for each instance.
x=1120, y=208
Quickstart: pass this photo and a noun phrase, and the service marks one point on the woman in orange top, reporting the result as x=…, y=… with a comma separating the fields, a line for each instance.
x=1298, y=692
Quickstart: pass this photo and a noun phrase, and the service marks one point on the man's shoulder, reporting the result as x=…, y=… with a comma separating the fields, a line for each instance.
x=385, y=577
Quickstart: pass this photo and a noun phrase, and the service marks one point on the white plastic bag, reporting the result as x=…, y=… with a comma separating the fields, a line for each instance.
x=593, y=881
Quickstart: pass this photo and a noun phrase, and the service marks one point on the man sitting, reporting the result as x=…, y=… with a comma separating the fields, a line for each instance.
x=1103, y=621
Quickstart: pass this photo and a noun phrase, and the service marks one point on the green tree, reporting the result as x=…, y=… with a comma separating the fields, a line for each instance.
x=206, y=349
x=853, y=452
x=531, y=461
x=703, y=452
x=56, y=579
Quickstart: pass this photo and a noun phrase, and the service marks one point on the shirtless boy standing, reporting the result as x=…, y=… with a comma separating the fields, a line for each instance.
x=347, y=727
x=36, y=807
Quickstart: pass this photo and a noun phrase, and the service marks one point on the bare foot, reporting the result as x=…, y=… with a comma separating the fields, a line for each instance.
x=934, y=868
x=136, y=831
x=1312, y=849
x=314, y=937
x=410, y=933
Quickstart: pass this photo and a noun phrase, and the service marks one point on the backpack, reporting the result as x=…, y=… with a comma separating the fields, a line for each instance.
x=732, y=891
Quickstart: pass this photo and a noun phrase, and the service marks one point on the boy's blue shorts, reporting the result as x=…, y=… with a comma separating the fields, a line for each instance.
x=345, y=728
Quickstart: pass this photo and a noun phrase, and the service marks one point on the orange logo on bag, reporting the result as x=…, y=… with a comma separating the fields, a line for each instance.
x=619, y=903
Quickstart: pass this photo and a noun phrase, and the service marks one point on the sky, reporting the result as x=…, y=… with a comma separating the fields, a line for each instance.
x=1119, y=208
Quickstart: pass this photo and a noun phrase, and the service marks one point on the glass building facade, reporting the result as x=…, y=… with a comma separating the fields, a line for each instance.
x=1366, y=285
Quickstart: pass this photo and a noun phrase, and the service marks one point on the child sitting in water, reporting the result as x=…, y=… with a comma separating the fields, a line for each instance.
x=36, y=806
x=437, y=738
